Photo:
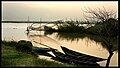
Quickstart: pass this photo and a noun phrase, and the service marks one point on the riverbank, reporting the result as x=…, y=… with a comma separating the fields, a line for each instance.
x=12, y=58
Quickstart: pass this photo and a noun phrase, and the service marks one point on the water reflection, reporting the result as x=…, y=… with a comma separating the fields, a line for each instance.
x=76, y=37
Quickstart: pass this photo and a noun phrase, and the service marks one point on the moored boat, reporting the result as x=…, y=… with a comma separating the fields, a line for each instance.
x=69, y=59
x=81, y=55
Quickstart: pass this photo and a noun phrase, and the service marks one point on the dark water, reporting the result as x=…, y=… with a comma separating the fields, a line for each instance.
x=77, y=42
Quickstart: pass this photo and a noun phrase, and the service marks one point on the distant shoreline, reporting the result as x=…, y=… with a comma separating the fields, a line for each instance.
x=51, y=22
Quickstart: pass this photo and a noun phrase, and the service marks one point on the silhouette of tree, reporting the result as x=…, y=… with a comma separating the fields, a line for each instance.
x=99, y=15
x=109, y=26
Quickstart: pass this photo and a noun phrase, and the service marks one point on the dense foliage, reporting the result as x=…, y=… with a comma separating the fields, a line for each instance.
x=25, y=46
x=71, y=26
x=108, y=28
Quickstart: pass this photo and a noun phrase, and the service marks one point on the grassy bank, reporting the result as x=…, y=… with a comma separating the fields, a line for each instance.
x=11, y=58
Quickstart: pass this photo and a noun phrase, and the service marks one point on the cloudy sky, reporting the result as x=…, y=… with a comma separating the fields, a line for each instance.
x=51, y=10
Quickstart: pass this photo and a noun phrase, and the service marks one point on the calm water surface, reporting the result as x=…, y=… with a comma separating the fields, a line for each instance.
x=17, y=31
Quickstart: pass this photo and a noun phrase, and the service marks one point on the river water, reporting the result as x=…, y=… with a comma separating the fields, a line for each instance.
x=17, y=31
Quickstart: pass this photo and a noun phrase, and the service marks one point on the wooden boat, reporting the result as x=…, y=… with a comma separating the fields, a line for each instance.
x=69, y=59
x=81, y=56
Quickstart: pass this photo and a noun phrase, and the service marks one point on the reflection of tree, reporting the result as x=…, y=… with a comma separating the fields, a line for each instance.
x=98, y=39
x=69, y=36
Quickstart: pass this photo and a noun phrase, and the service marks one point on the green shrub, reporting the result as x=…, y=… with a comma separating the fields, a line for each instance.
x=24, y=46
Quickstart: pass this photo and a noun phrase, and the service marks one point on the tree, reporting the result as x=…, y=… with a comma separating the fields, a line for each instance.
x=107, y=24
x=99, y=15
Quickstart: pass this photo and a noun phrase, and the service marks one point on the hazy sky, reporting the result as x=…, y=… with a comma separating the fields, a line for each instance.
x=51, y=10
